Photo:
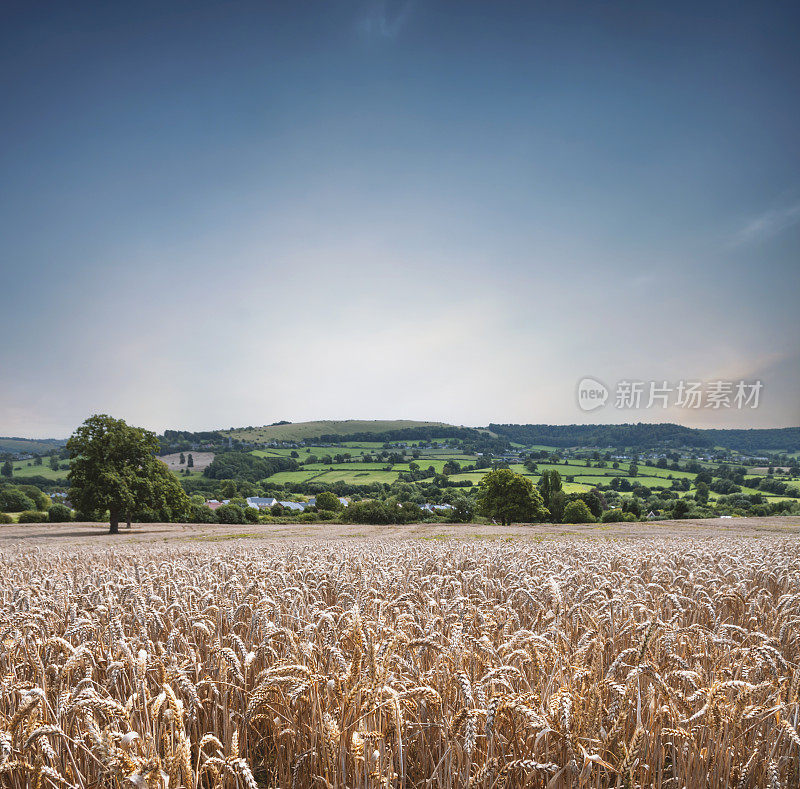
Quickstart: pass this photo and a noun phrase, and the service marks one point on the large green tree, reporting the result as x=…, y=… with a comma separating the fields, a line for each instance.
x=509, y=497
x=114, y=467
x=549, y=484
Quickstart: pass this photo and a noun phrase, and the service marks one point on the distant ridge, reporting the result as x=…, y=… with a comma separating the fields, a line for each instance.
x=36, y=446
x=299, y=431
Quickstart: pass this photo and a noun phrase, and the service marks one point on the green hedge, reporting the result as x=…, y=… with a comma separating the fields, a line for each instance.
x=32, y=516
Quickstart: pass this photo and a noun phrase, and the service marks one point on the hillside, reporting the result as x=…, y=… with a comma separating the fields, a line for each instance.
x=299, y=431
x=32, y=446
x=651, y=435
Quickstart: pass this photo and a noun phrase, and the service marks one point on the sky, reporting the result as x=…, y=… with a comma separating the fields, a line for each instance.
x=220, y=214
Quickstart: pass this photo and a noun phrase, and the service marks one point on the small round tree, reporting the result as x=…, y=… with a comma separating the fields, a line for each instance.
x=509, y=497
x=578, y=512
x=328, y=501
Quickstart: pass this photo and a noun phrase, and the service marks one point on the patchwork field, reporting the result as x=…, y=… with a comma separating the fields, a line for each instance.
x=201, y=460
x=358, y=661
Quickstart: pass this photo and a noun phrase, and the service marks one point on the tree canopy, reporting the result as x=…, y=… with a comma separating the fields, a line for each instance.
x=509, y=497
x=114, y=467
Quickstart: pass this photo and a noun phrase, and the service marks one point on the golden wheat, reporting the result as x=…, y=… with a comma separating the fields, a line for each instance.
x=405, y=664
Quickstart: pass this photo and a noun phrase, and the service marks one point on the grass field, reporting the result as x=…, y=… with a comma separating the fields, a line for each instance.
x=453, y=658
x=26, y=468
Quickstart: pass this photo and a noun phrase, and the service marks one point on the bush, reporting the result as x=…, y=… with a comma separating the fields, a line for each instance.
x=250, y=515
x=308, y=517
x=40, y=500
x=327, y=515
x=5, y=518
x=613, y=516
x=199, y=513
x=230, y=513
x=369, y=512
x=59, y=513
x=14, y=500
x=32, y=516
x=327, y=501
x=577, y=512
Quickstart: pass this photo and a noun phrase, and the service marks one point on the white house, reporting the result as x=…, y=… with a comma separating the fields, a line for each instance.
x=260, y=502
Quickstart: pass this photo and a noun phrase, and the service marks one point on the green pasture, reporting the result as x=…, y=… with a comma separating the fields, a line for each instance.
x=26, y=468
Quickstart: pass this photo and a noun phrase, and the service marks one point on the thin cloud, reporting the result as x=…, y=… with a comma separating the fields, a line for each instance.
x=382, y=19
x=768, y=224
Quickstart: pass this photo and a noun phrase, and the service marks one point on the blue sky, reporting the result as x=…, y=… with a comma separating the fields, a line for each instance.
x=230, y=213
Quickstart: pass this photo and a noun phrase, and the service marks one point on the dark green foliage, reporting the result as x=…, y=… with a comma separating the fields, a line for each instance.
x=372, y=511
x=32, y=516
x=379, y=512
x=7, y=469
x=181, y=440
x=199, y=513
x=39, y=499
x=5, y=518
x=681, y=509
x=549, y=484
x=14, y=500
x=114, y=468
x=59, y=513
x=634, y=506
x=230, y=513
x=577, y=512
x=643, y=435
x=463, y=509
x=244, y=466
x=509, y=497
x=328, y=501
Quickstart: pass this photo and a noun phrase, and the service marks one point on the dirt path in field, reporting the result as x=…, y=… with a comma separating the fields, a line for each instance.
x=66, y=534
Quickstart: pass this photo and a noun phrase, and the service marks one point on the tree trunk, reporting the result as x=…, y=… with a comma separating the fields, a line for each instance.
x=128, y=519
x=113, y=522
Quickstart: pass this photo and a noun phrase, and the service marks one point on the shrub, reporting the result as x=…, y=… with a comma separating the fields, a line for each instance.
x=40, y=500
x=613, y=516
x=32, y=516
x=199, y=513
x=230, y=513
x=5, y=518
x=59, y=513
x=308, y=517
x=250, y=515
x=327, y=501
x=369, y=512
x=463, y=510
x=14, y=500
x=577, y=512
x=327, y=515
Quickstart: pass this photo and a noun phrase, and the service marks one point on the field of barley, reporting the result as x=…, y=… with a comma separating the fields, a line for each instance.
x=662, y=663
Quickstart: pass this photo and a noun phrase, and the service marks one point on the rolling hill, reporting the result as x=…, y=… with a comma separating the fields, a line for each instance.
x=299, y=431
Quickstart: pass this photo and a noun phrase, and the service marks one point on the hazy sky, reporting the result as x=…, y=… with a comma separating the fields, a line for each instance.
x=229, y=213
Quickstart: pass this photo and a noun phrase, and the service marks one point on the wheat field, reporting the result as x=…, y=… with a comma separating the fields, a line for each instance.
x=664, y=663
